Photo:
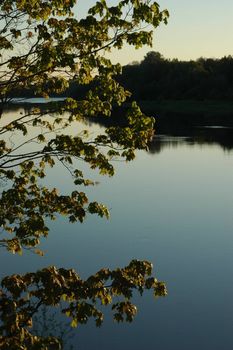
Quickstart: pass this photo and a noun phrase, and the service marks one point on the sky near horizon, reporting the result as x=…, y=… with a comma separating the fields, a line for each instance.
x=199, y=28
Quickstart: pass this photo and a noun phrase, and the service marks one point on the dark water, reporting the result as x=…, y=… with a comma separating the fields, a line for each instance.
x=174, y=207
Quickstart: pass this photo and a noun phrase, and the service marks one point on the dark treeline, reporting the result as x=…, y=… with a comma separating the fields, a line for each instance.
x=180, y=94
x=157, y=78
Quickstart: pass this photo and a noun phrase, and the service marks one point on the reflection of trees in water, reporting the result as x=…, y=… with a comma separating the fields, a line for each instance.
x=172, y=129
x=181, y=129
x=48, y=323
x=164, y=141
x=222, y=137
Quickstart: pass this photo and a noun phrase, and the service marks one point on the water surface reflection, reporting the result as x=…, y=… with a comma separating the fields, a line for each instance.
x=172, y=206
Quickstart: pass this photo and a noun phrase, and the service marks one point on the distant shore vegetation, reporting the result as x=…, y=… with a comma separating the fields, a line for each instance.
x=156, y=78
x=179, y=94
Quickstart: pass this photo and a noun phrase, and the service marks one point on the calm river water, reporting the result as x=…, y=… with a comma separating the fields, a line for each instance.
x=173, y=207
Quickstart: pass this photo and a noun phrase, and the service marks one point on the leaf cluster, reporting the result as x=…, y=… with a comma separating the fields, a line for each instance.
x=22, y=296
x=44, y=48
x=56, y=49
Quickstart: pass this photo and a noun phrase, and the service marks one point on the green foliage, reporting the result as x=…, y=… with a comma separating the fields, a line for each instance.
x=21, y=297
x=55, y=50
x=44, y=48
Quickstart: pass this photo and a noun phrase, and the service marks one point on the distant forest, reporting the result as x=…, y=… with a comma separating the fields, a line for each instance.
x=179, y=94
x=157, y=78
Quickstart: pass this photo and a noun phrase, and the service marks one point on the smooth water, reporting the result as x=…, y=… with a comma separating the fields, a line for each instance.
x=172, y=207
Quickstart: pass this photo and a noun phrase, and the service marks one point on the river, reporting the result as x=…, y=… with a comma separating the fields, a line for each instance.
x=172, y=206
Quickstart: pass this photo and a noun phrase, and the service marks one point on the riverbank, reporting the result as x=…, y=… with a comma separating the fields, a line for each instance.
x=212, y=107
x=169, y=114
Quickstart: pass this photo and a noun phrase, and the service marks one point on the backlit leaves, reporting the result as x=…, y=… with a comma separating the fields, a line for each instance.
x=44, y=49
x=21, y=297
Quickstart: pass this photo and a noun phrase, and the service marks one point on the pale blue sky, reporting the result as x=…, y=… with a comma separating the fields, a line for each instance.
x=195, y=28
